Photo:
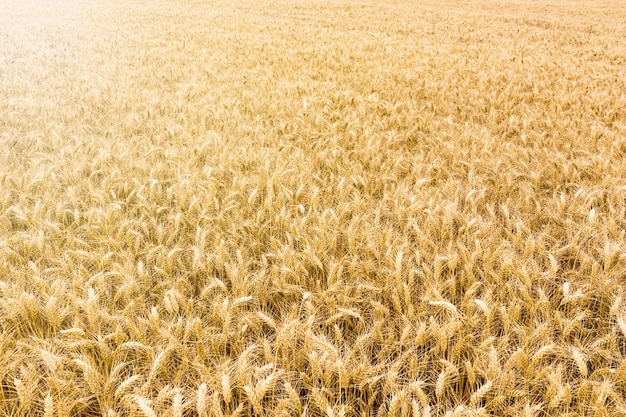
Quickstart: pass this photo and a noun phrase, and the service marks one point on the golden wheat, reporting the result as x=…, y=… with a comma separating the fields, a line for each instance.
x=312, y=208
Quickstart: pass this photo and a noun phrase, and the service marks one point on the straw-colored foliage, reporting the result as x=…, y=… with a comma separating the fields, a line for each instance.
x=318, y=208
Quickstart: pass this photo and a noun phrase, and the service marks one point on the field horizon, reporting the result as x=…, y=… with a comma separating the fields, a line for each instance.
x=312, y=208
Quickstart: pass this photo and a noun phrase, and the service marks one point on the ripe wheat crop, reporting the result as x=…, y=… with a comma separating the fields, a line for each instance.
x=312, y=208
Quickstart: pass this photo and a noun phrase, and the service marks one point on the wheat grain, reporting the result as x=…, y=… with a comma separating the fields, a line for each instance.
x=144, y=406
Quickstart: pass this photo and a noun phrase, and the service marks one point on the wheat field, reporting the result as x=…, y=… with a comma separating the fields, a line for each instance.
x=312, y=208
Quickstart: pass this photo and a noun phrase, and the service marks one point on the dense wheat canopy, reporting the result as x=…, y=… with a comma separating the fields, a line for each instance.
x=317, y=208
